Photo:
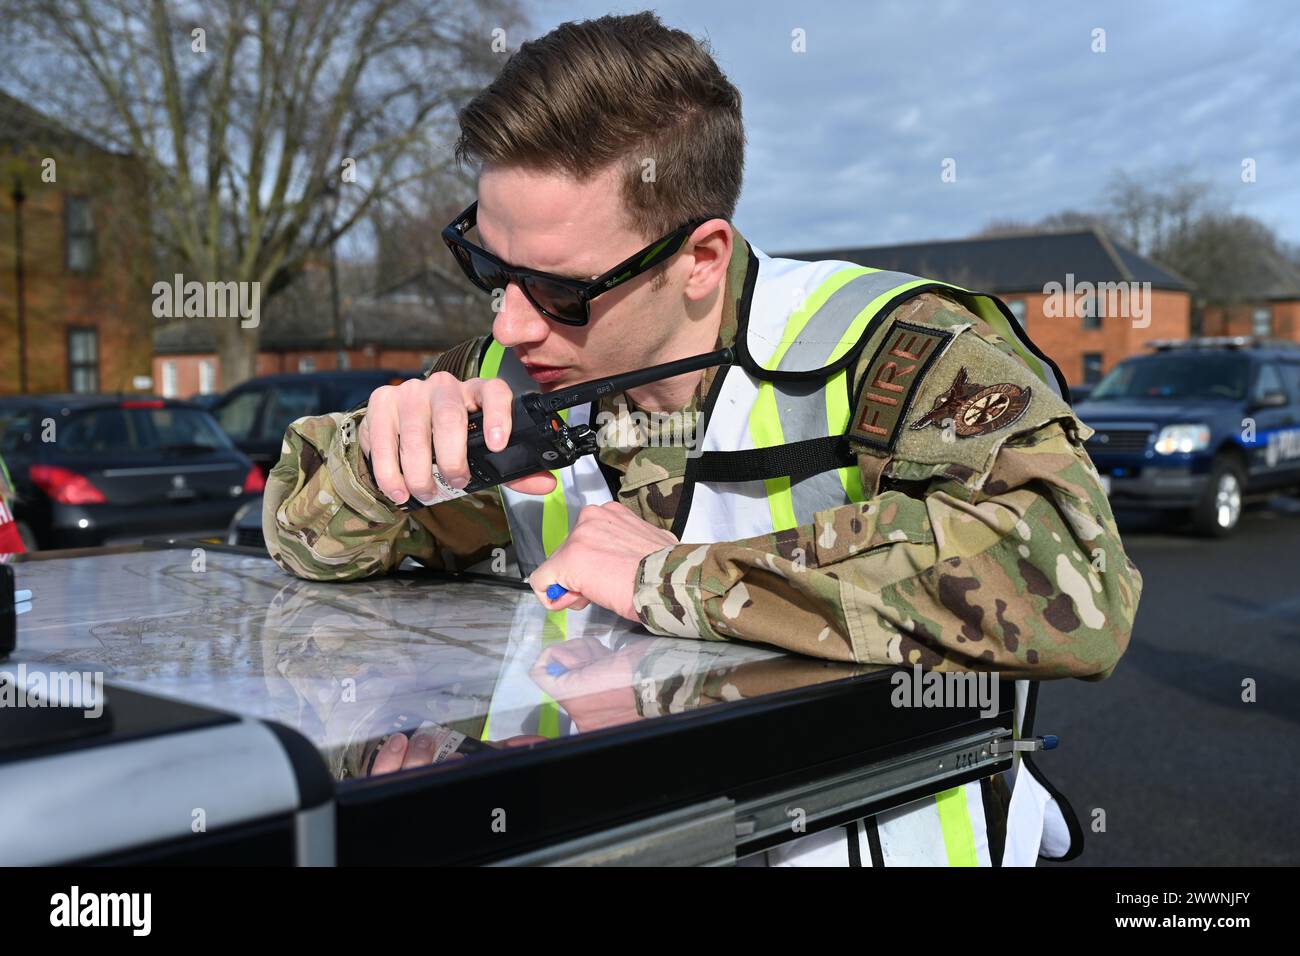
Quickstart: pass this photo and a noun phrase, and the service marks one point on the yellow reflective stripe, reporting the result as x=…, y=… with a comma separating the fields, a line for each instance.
x=555, y=510
x=794, y=325
x=837, y=423
x=765, y=417
x=492, y=360
x=859, y=323
x=765, y=430
x=958, y=834
x=555, y=528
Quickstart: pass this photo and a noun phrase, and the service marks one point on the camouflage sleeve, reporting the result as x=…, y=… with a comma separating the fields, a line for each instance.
x=323, y=518
x=1031, y=581
x=993, y=552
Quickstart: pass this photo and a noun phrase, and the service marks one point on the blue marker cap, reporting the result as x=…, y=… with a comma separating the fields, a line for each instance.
x=555, y=669
x=1050, y=741
x=555, y=591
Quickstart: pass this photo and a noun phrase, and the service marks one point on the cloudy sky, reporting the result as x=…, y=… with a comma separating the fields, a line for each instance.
x=847, y=139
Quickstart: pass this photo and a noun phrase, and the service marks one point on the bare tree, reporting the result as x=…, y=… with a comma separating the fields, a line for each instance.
x=1180, y=221
x=268, y=128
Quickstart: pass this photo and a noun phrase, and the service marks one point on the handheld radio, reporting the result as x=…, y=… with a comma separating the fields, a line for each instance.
x=540, y=440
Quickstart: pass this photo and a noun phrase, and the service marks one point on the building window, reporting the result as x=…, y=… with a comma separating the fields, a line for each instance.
x=307, y=363
x=169, y=387
x=1091, y=368
x=1091, y=310
x=83, y=360
x=1262, y=323
x=79, y=234
x=1017, y=307
x=207, y=376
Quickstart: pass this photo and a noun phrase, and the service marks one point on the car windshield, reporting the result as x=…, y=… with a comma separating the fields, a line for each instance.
x=1176, y=377
x=108, y=431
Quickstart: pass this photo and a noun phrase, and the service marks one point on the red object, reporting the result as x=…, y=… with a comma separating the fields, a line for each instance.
x=10, y=541
x=254, y=482
x=65, y=487
x=143, y=403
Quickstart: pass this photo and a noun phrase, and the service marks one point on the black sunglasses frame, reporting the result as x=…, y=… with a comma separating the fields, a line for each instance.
x=634, y=265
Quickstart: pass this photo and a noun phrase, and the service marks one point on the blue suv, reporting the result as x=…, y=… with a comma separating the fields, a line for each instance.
x=1198, y=425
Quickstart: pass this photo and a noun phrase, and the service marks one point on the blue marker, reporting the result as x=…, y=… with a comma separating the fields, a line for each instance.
x=555, y=591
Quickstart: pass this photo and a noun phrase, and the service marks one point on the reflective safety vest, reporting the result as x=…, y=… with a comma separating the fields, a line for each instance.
x=773, y=453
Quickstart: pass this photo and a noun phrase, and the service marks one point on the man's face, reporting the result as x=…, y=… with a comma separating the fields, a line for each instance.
x=552, y=223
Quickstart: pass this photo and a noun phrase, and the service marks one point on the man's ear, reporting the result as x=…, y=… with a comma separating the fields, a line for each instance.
x=710, y=247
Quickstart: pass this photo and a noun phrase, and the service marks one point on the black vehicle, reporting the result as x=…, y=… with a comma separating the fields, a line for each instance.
x=1198, y=425
x=256, y=413
x=89, y=469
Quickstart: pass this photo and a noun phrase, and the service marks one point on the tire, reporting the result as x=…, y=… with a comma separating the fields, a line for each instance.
x=1218, y=513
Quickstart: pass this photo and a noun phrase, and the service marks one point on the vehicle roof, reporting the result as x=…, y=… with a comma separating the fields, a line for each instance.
x=81, y=401
x=325, y=376
x=1271, y=348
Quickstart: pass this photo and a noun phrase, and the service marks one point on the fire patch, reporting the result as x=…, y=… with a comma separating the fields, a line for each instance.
x=892, y=378
x=976, y=409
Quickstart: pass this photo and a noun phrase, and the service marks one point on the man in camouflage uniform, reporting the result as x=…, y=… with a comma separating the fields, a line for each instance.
x=1015, y=566
x=981, y=538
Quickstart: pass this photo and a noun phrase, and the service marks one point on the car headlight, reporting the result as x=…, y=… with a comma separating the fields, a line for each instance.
x=1181, y=439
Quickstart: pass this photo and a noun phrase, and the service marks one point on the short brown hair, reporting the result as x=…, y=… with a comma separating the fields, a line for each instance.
x=618, y=90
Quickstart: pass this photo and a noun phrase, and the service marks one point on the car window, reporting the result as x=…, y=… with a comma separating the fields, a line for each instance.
x=353, y=394
x=288, y=403
x=114, y=431
x=1291, y=372
x=1268, y=380
x=1176, y=377
x=15, y=427
x=239, y=414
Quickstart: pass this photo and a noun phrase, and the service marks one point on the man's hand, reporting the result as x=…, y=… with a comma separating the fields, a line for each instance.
x=397, y=752
x=407, y=427
x=597, y=562
x=593, y=684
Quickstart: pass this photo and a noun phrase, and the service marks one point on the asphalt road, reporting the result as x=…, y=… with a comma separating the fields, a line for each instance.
x=1186, y=772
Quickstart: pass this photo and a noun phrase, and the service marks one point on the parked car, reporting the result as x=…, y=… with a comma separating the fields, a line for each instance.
x=256, y=413
x=1199, y=425
x=88, y=469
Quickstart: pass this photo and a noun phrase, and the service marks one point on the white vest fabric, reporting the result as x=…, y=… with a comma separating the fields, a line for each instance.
x=804, y=320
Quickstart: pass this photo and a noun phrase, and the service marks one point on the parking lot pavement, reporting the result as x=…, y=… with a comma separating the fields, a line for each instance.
x=1184, y=770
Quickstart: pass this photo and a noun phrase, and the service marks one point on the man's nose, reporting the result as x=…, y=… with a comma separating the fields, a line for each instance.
x=518, y=322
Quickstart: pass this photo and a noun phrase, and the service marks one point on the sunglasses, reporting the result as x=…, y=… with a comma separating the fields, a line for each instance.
x=559, y=298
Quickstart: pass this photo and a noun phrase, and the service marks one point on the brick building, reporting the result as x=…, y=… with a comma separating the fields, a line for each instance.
x=74, y=261
x=1070, y=290
x=1273, y=313
x=404, y=327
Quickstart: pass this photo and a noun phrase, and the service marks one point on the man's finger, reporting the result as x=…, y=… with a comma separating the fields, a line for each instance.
x=382, y=416
x=390, y=755
x=450, y=426
x=420, y=751
x=538, y=483
x=494, y=397
x=414, y=442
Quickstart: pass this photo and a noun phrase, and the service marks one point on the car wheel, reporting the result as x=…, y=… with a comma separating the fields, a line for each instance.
x=1218, y=512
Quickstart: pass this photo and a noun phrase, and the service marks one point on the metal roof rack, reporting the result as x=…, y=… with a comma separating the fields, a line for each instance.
x=1221, y=342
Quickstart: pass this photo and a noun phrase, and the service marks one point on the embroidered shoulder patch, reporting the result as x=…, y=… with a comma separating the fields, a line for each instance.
x=892, y=378
x=975, y=409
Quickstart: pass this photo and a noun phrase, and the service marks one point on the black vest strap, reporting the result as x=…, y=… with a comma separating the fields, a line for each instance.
x=797, y=460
